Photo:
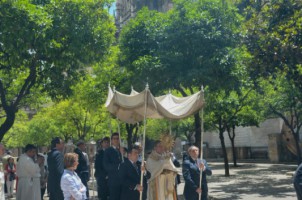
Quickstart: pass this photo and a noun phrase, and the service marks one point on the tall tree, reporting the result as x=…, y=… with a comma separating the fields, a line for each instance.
x=273, y=37
x=191, y=45
x=46, y=46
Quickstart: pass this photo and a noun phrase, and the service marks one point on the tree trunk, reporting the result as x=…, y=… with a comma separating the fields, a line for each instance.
x=129, y=128
x=225, y=156
x=8, y=123
x=291, y=126
x=296, y=136
x=197, y=130
x=232, y=138
x=135, y=135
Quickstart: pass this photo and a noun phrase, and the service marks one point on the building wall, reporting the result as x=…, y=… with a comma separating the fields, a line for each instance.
x=127, y=9
x=247, y=136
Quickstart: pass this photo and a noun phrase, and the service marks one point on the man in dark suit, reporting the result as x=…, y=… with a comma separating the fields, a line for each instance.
x=55, y=161
x=298, y=182
x=112, y=160
x=82, y=168
x=129, y=174
x=191, y=172
x=147, y=174
x=100, y=173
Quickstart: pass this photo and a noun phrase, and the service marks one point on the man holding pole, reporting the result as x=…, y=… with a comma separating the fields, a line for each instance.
x=191, y=172
x=130, y=174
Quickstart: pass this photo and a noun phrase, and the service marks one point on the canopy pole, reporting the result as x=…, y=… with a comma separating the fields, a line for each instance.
x=119, y=129
x=201, y=142
x=109, y=124
x=143, y=142
x=170, y=127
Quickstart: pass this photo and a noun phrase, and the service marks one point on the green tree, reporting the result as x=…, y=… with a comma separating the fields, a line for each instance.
x=191, y=45
x=273, y=37
x=46, y=47
x=194, y=44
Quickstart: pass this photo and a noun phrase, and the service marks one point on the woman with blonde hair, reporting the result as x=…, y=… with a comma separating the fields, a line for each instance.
x=71, y=183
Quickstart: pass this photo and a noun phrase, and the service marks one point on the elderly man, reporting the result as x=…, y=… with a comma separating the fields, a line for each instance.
x=191, y=172
x=161, y=184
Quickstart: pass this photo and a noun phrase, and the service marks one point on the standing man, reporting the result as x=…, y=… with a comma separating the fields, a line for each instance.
x=55, y=161
x=101, y=174
x=2, y=196
x=163, y=172
x=130, y=174
x=298, y=182
x=112, y=160
x=28, y=172
x=82, y=168
x=191, y=172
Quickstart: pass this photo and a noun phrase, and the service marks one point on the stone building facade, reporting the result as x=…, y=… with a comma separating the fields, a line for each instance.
x=127, y=9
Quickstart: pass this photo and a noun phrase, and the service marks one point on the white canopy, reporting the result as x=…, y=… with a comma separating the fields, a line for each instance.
x=131, y=108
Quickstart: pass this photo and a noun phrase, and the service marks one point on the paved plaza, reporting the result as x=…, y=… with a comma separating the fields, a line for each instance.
x=251, y=181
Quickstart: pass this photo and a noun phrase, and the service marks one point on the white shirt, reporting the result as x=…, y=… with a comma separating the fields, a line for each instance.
x=72, y=186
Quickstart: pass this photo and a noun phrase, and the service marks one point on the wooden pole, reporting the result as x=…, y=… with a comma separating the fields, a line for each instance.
x=144, y=137
x=201, y=142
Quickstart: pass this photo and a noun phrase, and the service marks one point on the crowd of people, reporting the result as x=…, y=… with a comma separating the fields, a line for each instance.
x=120, y=173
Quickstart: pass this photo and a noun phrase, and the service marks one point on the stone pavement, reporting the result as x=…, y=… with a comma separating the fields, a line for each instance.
x=250, y=181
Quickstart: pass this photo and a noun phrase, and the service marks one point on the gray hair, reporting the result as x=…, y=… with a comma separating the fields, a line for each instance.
x=192, y=147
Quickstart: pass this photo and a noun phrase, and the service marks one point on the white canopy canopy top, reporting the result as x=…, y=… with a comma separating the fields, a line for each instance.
x=131, y=108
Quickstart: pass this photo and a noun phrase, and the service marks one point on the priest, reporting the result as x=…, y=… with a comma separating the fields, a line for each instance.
x=161, y=185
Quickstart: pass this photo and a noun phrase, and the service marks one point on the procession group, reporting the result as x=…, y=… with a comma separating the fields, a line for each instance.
x=120, y=173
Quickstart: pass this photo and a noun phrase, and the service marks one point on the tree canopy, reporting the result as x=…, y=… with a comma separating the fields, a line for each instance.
x=47, y=47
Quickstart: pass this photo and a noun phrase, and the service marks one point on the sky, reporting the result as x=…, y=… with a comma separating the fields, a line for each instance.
x=112, y=9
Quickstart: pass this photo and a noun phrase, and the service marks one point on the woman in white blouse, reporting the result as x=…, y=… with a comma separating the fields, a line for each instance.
x=71, y=184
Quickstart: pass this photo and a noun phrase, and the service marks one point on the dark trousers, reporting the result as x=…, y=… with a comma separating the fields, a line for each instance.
x=114, y=192
x=56, y=195
x=298, y=189
x=84, y=176
x=103, y=189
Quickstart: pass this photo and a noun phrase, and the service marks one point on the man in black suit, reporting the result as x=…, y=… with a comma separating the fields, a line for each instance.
x=147, y=174
x=130, y=177
x=82, y=168
x=112, y=160
x=191, y=172
x=298, y=182
x=100, y=173
x=55, y=161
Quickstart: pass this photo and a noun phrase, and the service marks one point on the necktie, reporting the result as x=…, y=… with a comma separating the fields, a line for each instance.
x=136, y=168
x=196, y=163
